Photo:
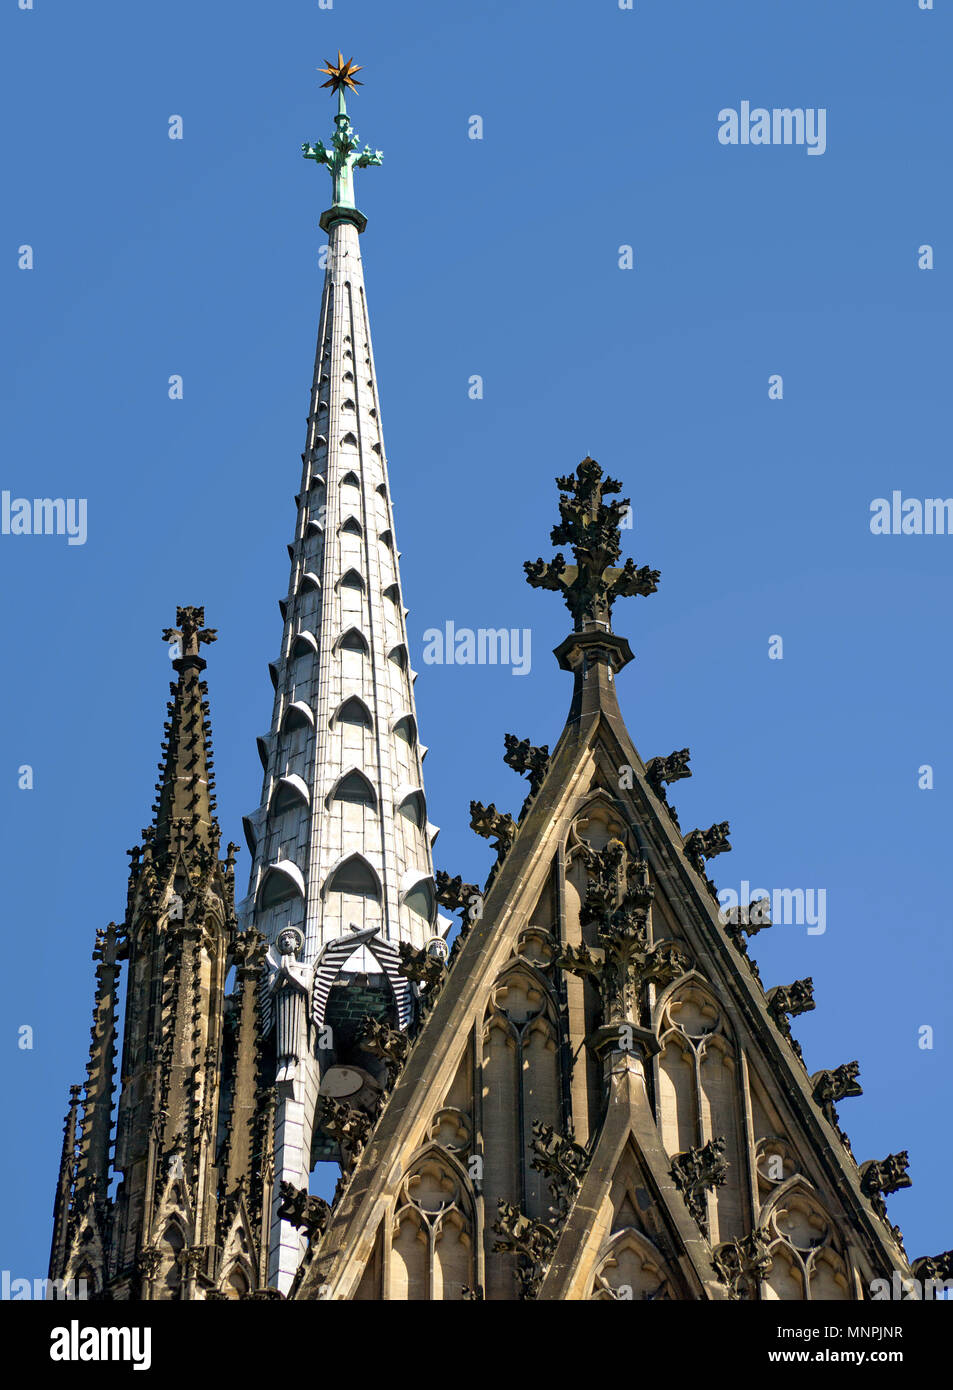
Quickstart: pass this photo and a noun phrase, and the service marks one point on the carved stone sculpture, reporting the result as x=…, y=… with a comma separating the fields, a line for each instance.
x=526, y=759
x=742, y=1264
x=618, y=900
x=698, y=1171
x=310, y=1214
x=493, y=825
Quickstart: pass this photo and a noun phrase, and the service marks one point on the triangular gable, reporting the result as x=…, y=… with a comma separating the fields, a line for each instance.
x=581, y=801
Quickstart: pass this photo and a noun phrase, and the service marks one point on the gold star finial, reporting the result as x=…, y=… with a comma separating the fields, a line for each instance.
x=341, y=74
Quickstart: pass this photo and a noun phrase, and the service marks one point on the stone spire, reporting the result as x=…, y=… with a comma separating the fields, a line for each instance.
x=192, y=1125
x=179, y=935
x=342, y=870
x=185, y=809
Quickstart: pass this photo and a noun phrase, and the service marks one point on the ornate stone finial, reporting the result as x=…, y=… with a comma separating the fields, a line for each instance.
x=344, y=156
x=190, y=631
x=564, y=1163
x=747, y=919
x=934, y=1273
x=590, y=526
x=670, y=769
x=696, y=1172
x=458, y=896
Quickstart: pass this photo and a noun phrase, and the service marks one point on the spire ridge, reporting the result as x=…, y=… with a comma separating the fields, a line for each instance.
x=92, y=1170
x=66, y=1181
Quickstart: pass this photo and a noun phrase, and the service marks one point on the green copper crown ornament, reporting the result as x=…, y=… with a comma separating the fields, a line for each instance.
x=345, y=155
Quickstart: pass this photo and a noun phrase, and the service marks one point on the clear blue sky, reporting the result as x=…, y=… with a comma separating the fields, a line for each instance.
x=500, y=258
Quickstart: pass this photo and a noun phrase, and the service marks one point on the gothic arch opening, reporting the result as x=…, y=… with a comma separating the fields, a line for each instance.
x=356, y=788
x=304, y=644
x=289, y=792
x=356, y=876
x=171, y=1247
x=297, y=716
x=281, y=882
x=421, y=898
x=353, y=641
x=406, y=729
x=354, y=711
x=413, y=807
x=630, y=1268
x=236, y=1284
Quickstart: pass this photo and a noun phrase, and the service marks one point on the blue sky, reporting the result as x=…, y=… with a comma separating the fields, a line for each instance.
x=496, y=257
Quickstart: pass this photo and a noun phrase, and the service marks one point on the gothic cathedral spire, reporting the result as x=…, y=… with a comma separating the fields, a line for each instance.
x=181, y=1222
x=341, y=843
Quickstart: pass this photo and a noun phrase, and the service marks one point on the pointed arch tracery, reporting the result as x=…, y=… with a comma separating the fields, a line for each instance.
x=699, y=1092
x=630, y=1267
x=808, y=1260
x=432, y=1230
x=598, y=819
x=521, y=1083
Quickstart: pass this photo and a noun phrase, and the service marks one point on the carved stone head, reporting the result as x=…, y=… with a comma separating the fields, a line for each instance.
x=290, y=941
